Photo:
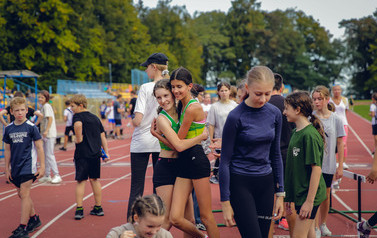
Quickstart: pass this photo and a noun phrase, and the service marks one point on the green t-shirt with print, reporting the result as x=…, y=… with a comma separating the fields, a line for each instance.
x=305, y=149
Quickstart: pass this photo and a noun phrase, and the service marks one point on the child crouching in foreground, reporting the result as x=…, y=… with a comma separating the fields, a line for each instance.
x=18, y=138
x=90, y=136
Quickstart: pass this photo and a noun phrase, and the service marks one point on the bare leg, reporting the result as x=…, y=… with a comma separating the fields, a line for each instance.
x=303, y=228
x=65, y=141
x=26, y=202
x=97, y=191
x=291, y=219
x=182, y=190
x=166, y=194
x=80, y=190
x=203, y=194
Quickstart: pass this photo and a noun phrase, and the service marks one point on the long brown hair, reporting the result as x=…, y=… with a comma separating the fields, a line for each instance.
x=302, y=100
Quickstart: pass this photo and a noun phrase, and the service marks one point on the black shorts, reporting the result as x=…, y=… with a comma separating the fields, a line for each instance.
x=69, y=129
x=22, y=179
x=87, y=168
x=118, y=122
x=328, y=179
x=193, y=163
x=314, y=211
x=374, y=129
x=103, y=116
x=165, y=172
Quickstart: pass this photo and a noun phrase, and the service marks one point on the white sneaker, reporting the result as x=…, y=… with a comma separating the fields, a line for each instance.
x=45, y=179
x=324, y=230
x=317, y=233
x=345, y=166
x=56, y=179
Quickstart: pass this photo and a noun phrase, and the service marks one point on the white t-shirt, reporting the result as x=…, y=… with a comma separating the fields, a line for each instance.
x=69, y=114
x=334, y=128
x=110, y=110
x=340, y=109
x=206, y=107
x=146, y=104
x=373, y=108
x=217, y=116
x=47, y=111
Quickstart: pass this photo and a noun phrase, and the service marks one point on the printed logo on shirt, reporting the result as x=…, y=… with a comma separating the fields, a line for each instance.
x=18, y=137
x=295, y=151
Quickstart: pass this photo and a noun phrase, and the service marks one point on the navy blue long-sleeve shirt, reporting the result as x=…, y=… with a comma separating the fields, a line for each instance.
x=251, y=145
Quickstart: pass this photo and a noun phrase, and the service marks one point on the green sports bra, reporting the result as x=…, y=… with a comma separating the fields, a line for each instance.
x=196, y=127
x=174, y=126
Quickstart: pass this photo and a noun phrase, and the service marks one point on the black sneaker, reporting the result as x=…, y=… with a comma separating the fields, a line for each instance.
x=79, y=214
x=33, y=223
x=63, y=149
x=20, y=233
x=97, y=211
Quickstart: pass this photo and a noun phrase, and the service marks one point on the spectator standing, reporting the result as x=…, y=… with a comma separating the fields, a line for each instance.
x=206, y=103
x=242, y=93
x=48, y=131
x=110, y=116
x=68, y=115
x=102, y=112
x=143, y=143
x=20, y=167
x=118, y=111
x=90, y=136
x=341, y=108
x=372, y=113
x=132, y=104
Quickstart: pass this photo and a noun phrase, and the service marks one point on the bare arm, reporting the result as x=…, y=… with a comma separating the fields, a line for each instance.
x=159, y=136
x=137, y=119
x=372, y=176
x=40, y=117
x=104, y=146
x=307, y=207
x=211, y=130
x=78, y=131
x=340, y=146
x=7, y=161
x=41, y=157
x=2, y=114
x=193, y=112
x=179, y=144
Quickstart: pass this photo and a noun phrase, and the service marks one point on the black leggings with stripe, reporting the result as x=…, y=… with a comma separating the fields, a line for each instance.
x=252, y=199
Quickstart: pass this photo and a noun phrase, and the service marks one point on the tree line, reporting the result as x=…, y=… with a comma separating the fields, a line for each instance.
x=68, y=39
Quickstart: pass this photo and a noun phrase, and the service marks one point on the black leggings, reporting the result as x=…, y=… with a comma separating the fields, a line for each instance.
x=139, y=163
x=252, y=200
x=373, y=220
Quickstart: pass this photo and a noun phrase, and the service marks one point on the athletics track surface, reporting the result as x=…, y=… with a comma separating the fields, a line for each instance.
x=56, y=203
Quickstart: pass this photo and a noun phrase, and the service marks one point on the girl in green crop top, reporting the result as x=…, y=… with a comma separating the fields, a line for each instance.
x=191, y=124
x=167, y=127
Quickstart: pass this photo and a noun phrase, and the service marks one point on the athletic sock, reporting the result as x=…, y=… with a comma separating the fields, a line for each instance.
x=79, y=208
x=366, y=226
x=97, y=207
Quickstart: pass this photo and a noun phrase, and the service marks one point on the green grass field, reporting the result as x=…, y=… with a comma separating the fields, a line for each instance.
x=362, y=110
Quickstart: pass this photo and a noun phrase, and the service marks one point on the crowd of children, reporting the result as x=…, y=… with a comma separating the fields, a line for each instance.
x=265, y=171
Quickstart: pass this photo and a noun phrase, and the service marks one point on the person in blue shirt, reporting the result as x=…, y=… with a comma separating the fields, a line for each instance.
x=251, y=167
x=20, y=166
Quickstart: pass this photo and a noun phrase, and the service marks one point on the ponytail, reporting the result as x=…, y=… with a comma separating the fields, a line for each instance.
x=318, y=125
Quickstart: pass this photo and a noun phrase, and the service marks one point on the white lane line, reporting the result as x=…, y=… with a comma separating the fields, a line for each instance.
x=40, y=184
x=74, y=205
x=361, y=142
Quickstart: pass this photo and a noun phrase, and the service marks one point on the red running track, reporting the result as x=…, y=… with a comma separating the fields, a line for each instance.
x=56, y=203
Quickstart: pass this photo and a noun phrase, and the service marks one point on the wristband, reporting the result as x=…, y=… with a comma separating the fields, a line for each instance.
x=280, y=194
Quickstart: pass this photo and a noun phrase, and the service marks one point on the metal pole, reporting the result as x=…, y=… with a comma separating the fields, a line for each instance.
x=36, y=93
x=359, y=197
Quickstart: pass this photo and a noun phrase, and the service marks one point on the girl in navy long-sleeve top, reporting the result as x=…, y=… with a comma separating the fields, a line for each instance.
x=251, y=168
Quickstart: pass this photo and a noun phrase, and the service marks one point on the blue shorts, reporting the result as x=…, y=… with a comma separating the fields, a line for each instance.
x=111, y=121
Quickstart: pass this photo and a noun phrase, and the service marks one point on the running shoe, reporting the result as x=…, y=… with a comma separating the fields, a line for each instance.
x=317, y=233
x=45, y=179
x=56, y=179
x=201, y=227
x=283, y=224
x=19, y=233
x=97, y=211
x=63, y=149
x=79, y=214
x=34, y=222
x=324, y=230
x=361, y=232
x=214, y=180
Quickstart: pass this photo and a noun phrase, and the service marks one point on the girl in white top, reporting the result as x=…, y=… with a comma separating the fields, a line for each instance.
x=217, y=116
x=341, y=108
x=334, y=132
x=147, y=218
x=48, y=132
x=143, y=143
x=372, y=113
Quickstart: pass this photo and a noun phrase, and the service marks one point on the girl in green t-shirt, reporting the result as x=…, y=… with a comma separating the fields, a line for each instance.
x=304, y=184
